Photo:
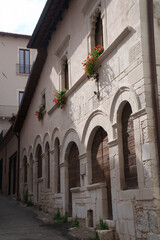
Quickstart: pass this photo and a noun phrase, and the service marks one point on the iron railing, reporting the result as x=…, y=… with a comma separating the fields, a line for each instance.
x=7, y=111
x=23, y=69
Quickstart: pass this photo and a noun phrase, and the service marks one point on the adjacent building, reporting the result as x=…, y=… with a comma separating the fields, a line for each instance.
x=98, y=155
x=15, y=66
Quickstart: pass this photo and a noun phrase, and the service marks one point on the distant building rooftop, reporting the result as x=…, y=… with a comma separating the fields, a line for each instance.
x=16, y=35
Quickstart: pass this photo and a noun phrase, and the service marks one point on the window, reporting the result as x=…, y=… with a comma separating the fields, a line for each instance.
x=24, y=61
x=66, y=83
x=20, y=96
x=129, y=154
x=64, y=73
x=96, y=23
x=63, y=55
x=98, y=31
x=44, y=100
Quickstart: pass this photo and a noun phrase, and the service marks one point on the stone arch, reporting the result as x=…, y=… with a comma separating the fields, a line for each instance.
x=47, y=159
x=24, y=168
x=46, y=139
x=38, y=141
x=31, y=161
x=24, y=153
x=55, y=134
x=123, y=95
x=97, y=118
x=72, y=171
x=70, y=136
x=71, y=143
x=47, y=163
x=30, y=151
x=56, y=168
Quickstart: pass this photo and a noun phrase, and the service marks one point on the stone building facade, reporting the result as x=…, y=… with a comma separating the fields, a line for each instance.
x=98, y=156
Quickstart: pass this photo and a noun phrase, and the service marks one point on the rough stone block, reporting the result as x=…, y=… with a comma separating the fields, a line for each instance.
x=106, y=234
x=125, y=210
x=153, y=222
x=131, y=228
x=142, y=221
x=145, y=151
x=152, y=236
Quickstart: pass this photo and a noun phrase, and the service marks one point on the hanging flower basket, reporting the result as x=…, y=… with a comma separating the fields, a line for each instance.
x=90, y=62
x=39, y=113
x=60, y=98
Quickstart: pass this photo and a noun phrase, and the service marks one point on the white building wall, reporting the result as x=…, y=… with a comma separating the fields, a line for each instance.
x=123, y=76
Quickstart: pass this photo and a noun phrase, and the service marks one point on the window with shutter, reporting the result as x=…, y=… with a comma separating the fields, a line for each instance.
x=129, y=154
x=73, y=172
x=39, y=162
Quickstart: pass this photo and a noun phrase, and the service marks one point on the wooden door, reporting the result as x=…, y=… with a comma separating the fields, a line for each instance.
x=73, y=172
x=100, y=164
x=129, y=155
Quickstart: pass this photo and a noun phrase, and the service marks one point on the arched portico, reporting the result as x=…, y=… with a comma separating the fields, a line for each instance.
x=70, y=167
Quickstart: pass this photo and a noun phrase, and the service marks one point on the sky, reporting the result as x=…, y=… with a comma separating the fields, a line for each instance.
x=20, y=16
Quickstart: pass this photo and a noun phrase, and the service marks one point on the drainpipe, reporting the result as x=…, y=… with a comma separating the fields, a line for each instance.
x=18, y=161
x=154, y=82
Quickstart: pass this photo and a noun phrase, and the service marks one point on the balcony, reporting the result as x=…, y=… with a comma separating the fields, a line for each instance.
x=7, y=111
x=23, y=69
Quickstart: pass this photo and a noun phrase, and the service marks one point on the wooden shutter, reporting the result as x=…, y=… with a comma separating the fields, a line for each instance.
x=39, y=162
x=74, y=167
x=73, y=172
x=100, y=156
x=58, y=165
x=100, y=164
x=129, y=155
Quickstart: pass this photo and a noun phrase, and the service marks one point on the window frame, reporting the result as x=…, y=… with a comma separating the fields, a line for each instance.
x=19, y=101
x=24, y=69
x=125, y=147
x=95, y=7
x=62, y=55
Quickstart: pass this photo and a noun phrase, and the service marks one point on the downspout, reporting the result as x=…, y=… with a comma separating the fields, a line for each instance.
x=154, y=82
x=18, y=161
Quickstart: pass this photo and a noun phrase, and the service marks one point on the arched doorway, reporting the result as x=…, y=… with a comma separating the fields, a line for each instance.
x=129, y=153
x=39, y=171
x=100, y=164
x=73, y=172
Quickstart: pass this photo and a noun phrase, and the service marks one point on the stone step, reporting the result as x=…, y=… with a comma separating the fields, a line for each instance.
x=106, y=234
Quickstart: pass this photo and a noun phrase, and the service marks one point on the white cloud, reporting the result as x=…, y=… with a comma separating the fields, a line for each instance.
x=20, y=16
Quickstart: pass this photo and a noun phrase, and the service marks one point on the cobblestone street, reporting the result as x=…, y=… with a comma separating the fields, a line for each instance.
x=18, y=222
